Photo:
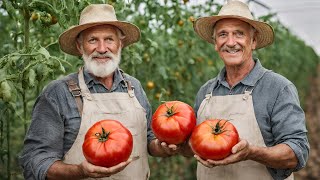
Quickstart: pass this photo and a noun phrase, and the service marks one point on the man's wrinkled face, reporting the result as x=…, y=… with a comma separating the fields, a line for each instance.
x=101, y=50
x=234, y=41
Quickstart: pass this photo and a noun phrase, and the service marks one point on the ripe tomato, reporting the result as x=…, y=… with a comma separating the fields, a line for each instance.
x=107, y=143
x=173, y=122
x=214, y=139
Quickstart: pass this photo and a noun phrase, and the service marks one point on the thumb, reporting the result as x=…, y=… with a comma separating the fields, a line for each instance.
x=238, y=147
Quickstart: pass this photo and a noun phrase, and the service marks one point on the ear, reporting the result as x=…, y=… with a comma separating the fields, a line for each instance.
x=79, y=47
x=121, y=43
x=254, y=42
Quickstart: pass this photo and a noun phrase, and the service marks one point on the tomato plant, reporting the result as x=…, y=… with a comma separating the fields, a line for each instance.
x=173, y=122
x=169, y=54
x=107, y=143
x=214, y=139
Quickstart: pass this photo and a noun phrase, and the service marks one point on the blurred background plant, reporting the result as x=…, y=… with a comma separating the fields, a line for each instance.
x=170, y=60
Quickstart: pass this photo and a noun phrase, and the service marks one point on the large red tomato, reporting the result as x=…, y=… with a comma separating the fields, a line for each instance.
x=214, y=139
x=107, y=143
x=173, y=122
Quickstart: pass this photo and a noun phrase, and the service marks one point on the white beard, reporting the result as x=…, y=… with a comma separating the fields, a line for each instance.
x=102, y=69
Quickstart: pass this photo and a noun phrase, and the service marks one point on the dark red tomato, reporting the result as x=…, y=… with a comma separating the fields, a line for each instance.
x=214, y=139
x=107, y=143
x=173, y=122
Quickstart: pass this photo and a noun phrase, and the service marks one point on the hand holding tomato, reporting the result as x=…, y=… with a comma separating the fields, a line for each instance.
x=239, y=152
x=173, y=122
x=107, y=143
x=214, y=139
x=168, y=149
x=93, y=171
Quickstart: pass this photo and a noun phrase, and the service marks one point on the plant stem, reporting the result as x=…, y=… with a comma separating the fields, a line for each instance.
x=24, y=99
x=26, y=14
x=8, y=146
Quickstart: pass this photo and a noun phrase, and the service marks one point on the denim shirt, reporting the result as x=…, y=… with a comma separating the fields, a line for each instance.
x=56, y=121
x=277, y=110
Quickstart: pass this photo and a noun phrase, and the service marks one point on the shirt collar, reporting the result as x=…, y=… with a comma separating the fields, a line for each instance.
x=255, y=74
x=118, y=79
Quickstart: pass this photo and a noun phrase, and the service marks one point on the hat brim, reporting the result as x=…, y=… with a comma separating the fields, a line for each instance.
x=204, y=28
x=67, y=39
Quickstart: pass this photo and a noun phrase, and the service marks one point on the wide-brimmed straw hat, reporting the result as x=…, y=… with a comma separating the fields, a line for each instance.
x=203, y=26
x=93, y=15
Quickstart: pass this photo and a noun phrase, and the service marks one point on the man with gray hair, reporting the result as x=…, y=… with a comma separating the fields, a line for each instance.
x=68, y=107
x=263, y=105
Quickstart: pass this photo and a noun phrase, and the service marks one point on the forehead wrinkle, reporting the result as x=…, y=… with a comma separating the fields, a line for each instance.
x=105, y=29
x=241, y=25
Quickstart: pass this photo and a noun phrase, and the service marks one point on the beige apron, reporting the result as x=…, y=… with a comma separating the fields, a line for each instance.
x=123, y=107
x=239, y=110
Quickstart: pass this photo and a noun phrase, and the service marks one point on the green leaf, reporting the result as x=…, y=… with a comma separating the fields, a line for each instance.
x=153, y=43
x=163, y=73
x=31, y=77
x=61, y=68
x=44, y=52
x=5, y=90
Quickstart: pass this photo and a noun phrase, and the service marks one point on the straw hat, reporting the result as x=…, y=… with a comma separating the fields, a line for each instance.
x=234, y=9
x=93, y=15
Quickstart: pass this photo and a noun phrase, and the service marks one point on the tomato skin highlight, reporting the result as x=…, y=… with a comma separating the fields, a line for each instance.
x=107, y=143
x=173, y=122
x=214, y=139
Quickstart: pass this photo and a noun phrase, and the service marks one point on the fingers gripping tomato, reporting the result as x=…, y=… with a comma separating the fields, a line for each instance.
x=214, y=139
x=107, y=143
x=173, y=122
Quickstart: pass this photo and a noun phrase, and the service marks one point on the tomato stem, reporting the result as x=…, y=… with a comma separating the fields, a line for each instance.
x=170, y=111
x=104, y=136
x=218, y=129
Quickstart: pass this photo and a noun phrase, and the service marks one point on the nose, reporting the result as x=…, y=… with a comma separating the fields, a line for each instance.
x=231, y=41
x=102, y=47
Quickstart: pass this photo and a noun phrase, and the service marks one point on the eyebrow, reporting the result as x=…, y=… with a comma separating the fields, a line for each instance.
x=107, y=36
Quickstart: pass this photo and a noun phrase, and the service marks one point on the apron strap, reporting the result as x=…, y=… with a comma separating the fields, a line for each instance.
x=76, y=93
x=128, y=84
x=84, y=89
x=210, y=90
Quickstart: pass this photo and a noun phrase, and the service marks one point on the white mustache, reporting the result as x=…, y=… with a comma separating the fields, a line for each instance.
x=104, y=55
x=234, y=48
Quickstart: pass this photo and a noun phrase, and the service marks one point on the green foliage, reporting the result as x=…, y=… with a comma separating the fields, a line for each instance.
x=170, y=56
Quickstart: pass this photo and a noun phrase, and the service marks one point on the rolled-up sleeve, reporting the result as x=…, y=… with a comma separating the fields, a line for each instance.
x=43, y=144
x=289, y=126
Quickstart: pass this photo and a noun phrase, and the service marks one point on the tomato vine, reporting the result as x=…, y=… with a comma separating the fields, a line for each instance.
x=170, y=60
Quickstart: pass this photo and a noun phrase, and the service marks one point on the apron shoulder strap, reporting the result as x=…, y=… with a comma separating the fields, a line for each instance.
x=128, y=84
x=211, y=88
x=76, y=93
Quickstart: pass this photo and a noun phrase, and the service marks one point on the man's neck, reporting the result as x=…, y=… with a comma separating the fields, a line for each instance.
x=106, y=81
x=236, y=73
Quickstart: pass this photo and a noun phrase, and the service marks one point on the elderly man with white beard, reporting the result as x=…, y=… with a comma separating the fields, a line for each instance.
x=68, y=107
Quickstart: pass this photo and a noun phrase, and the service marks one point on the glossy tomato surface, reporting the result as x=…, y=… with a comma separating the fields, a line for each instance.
x=173, y=122
x=214, y=139
x=107, y=143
